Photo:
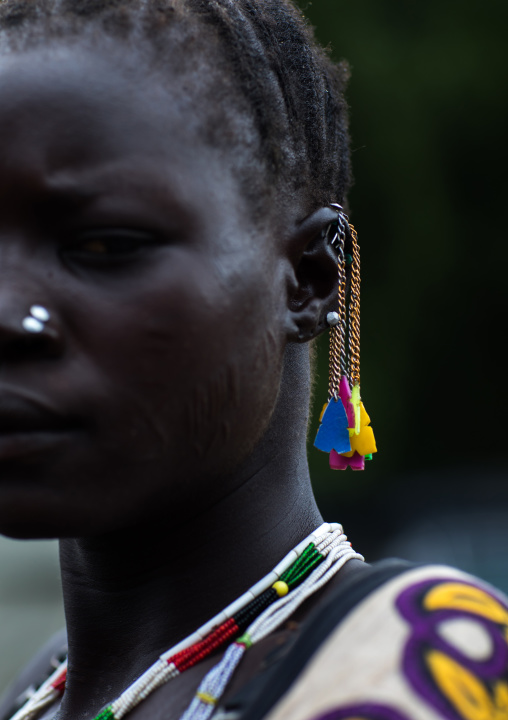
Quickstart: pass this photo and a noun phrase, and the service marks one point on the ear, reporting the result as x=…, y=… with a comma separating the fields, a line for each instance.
x=313, y=286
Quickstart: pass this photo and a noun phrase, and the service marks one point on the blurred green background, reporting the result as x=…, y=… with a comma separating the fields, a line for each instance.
x=429, y=108
x=429, y=105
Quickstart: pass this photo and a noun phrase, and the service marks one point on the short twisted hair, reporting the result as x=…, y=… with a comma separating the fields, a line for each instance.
x=279, y=75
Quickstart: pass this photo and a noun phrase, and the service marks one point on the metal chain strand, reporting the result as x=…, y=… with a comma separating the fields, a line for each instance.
x=337, y=360
x=336, y=345
x=342, y=324
x=337, y=355
x=354, y=313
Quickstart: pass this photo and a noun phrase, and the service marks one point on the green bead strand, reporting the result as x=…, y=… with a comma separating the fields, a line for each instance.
x=295, y=567
x=306, y=560
x=106, y=714
x=297, y=579
x=302, y=567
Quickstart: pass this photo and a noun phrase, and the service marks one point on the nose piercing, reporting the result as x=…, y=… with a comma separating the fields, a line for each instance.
x=34, y=323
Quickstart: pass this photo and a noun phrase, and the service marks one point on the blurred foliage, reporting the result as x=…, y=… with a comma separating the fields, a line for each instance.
x=429, y=106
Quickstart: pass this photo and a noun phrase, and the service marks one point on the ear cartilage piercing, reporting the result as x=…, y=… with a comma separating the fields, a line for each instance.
x=34, y=323
x=344, y=431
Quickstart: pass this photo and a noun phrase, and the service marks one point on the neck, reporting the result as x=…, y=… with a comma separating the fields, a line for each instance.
x=133, y=595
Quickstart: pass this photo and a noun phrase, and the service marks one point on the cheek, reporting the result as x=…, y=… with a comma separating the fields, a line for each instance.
x=176, y=388
x=230, y=408
x=195, y=369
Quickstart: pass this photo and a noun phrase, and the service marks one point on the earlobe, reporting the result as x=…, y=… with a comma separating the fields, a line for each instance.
x=313, y=292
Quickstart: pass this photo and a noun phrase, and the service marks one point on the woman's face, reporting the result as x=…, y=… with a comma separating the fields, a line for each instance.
x=159, y=367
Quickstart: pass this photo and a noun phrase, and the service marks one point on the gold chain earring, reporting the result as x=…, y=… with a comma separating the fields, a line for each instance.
x=344, y=430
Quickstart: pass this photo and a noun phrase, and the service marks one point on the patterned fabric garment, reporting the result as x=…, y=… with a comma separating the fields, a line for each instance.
x=432, y=643
x=426, y=643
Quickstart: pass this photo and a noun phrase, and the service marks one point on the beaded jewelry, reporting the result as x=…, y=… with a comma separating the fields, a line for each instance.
x=254, y=615
x=344, y=430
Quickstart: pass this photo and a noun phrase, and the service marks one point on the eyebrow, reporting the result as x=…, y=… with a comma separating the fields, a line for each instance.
x=73, y=191
x=81, y=187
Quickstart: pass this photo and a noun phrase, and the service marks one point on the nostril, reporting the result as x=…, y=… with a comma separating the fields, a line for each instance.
x=27, y=347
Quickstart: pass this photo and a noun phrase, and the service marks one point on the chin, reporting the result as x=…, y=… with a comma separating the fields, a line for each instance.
x=37, y=518
x=19, y=527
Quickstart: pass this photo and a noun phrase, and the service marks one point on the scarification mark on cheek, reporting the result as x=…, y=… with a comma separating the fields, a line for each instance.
x=209, y=410
x=142, y=434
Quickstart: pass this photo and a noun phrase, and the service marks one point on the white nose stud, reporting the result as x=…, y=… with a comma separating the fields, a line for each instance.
x=34, y=323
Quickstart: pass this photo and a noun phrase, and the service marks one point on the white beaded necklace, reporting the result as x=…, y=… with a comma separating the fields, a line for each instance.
x=308, y=567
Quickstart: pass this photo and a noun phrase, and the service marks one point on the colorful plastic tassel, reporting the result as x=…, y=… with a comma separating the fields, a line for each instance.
x=345, y=430
x=333, y=433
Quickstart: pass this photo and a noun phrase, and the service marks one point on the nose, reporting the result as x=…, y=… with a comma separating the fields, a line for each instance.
x=28, y=330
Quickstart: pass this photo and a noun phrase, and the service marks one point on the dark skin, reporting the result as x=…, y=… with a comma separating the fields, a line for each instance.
x=161, y=416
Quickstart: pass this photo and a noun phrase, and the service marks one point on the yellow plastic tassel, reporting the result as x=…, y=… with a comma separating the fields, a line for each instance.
x=364, y=443
x=355, y=402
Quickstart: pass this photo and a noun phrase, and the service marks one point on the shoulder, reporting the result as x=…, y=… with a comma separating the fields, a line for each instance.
x=401, y=643
x=42, y=665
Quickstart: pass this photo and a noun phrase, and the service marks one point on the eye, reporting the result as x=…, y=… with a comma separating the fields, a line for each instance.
x=109, y=244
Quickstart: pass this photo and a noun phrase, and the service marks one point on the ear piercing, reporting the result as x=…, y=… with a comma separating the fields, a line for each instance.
x=344, y=430
x=35, y=322
x=332, y=318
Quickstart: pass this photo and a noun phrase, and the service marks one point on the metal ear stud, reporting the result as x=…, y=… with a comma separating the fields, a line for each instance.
x=332, y=318
x=34, y=323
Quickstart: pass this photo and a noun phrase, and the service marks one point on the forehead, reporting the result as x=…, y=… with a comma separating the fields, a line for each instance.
x=69, y=110
x=105, y=100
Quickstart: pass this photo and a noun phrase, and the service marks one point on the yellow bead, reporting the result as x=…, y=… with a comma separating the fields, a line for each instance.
x=280, y=588
x=206, y=698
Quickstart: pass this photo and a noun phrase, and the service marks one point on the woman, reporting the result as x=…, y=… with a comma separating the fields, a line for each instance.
x=167, y=187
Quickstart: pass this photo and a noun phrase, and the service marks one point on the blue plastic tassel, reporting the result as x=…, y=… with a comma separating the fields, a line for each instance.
x=333, y=433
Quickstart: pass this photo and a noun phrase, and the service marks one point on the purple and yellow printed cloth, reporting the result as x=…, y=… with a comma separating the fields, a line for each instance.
x=430, y=644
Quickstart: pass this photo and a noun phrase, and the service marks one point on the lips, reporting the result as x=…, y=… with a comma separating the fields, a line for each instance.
x=19, y=414
x=29, y=426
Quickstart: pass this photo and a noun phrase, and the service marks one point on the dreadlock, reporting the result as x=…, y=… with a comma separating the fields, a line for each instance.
x=291, y=90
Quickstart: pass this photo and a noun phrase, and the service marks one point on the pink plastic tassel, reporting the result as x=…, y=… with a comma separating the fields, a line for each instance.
x=339, y=462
